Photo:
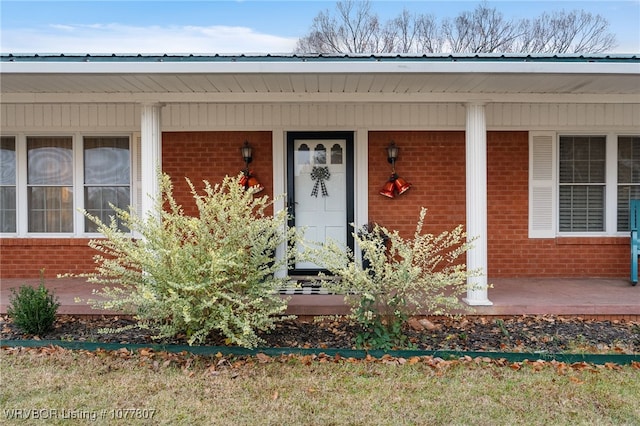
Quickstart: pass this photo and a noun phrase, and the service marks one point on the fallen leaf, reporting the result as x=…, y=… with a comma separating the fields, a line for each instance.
x=428, y=324
x=262, y=358
x=415, y=324
x=414, y=360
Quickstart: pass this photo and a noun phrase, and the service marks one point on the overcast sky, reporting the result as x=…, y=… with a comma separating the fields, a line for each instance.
x=234, y=26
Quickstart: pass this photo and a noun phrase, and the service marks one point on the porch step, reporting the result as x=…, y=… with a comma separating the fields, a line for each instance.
x=307, y=284
x=304, y=290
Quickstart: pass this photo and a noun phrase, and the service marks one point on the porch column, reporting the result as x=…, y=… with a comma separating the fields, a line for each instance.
x=151, y=154
x=476, y=174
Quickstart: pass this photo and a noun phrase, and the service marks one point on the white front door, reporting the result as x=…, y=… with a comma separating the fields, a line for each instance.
x=320, y=180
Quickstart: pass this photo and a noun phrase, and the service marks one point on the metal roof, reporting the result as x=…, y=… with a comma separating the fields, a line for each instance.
x=352, y=57
x=320, y=78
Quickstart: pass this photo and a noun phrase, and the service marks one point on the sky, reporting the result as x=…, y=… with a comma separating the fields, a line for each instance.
x=233, y=27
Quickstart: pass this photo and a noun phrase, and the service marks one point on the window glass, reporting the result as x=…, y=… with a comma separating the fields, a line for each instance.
x=50, y=184
x=7, y=184
x=50, y=208
x=107, y=176
x=50, y=161
x=628, y=177
x=106, y=161
x=582, y=183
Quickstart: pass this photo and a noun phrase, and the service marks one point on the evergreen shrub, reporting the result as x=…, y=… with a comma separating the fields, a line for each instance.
x=33, y=310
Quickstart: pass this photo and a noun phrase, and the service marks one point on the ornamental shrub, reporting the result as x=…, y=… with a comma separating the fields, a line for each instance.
x=33, y=310
x=401, y=278
x=196, y=274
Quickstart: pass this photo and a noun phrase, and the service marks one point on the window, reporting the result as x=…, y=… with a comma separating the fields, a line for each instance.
x=106, y=177
x=582, y=183
x=628, y=177
x=45, y=182
x=50, y=184
x=7, y=184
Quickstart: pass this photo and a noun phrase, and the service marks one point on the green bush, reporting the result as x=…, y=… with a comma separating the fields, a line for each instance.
x=194, y=275
x=401, y=278
x=33, y=310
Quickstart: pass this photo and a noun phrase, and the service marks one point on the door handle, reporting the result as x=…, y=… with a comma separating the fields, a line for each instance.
x=291, y=206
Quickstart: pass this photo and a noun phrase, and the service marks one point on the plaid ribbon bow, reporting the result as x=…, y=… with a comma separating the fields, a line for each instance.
x=320, y=174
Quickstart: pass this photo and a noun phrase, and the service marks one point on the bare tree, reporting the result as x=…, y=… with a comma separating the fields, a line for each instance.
x=566, y=32
x=429, y=35
x=412, y=33
x=484, y=30
x=354, y=28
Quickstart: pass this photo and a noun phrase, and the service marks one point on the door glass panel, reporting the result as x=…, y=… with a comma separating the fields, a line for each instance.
x=320, y=154
x=336, y=154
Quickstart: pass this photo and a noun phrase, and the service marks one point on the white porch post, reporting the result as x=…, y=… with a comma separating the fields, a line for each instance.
x=476, y=170
x=151, y=150
x=279, y=149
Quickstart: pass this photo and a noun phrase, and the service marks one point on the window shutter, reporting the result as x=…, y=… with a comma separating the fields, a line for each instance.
x=542, y=185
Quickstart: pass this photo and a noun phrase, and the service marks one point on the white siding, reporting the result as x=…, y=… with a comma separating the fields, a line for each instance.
x=562, y=116
x=373, y=116
x=70, y=117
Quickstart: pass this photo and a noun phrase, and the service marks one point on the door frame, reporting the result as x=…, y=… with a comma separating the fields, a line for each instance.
x=349, y=138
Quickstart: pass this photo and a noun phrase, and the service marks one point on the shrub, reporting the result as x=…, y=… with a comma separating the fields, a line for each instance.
x=195, y=275
x=33, y=310
x=403, y=277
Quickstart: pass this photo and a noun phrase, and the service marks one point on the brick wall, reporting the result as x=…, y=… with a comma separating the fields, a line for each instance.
x=25, y=257
x=196, y=155
x=211, y=156
x=511, y=252
x=435, y=163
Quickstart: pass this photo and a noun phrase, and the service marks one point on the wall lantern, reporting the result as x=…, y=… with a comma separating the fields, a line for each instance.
x=395, y=185
x=247, y=153
x=392, y=153
x=248, y=180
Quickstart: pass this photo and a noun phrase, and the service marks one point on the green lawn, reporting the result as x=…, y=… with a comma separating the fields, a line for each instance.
x=184, y=389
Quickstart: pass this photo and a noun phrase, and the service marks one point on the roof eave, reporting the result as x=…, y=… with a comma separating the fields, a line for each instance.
x=328, y=65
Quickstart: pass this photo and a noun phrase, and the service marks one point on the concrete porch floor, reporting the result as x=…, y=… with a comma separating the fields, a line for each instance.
x=510, y=296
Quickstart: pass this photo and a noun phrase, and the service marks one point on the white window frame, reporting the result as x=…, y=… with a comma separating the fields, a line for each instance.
x=15, y=142
x=544, y=214
x=618, y=184
x=22, y=219
x=84, y=184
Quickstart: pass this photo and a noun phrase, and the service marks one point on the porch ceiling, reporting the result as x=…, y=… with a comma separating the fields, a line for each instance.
x=296, y=81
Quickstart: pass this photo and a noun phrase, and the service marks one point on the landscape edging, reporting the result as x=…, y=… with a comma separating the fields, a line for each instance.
x=570, y=358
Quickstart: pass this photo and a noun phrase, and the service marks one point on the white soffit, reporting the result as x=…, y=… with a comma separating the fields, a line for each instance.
x=318, y=79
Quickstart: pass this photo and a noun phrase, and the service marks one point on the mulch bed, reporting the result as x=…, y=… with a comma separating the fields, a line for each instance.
x=514, y=334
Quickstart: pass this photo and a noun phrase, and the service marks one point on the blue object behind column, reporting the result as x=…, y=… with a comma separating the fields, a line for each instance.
x=634, y=221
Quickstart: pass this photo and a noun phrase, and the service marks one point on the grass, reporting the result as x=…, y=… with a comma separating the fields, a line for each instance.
x=184, y=389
